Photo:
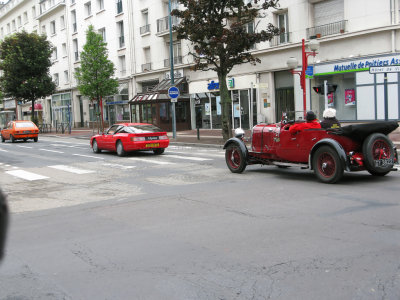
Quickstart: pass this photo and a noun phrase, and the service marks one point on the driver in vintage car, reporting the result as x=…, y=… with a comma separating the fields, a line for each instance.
x=311, y=122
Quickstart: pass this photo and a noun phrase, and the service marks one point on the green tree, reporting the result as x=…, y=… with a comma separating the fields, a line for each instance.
x=25, y=62
x=95, y=73
x=221, y=36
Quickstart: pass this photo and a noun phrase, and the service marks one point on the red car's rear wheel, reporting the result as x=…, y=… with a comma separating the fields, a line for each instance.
x=378, y=154
x=327, y=165
x=235, y=158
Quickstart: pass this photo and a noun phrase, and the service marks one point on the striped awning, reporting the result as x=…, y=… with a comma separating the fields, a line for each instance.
x=159, y=92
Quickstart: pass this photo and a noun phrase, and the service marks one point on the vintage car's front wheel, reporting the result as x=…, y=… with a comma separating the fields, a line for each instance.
x=235, y=158
x=378, y=154
x=327, y=165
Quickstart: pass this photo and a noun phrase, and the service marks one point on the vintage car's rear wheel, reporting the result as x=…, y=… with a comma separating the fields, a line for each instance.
x=235, y=158
x=327, y=165
x=378, y=154
x=120, y=149
x=95, y=147
x=159, y=151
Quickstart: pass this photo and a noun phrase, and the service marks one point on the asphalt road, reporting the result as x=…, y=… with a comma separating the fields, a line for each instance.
x=181, y=226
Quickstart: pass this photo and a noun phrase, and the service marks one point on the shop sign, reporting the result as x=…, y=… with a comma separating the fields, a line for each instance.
x=215, y=85
x=177, y=74
x=357, y=65
x=9, y=104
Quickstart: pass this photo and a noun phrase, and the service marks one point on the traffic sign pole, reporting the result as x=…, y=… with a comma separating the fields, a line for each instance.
x=171, y=54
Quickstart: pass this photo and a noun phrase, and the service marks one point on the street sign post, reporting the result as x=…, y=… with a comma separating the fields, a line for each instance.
x=173, y=93
x=385, y=70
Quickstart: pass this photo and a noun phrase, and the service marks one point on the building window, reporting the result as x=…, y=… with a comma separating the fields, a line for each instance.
x=122, y=65
x=121, y=37
x=102, y=32
x=19, y=21
x=73, y=19
x=283, y=25
x=66, y=76
x=145, y=21
x=8, y=28
x=177, y=51
x=44, y=29
x=54, y=54
x=62, y=22
x=147, y=58
x=56, y=79
x=13, y=28
x=64, y=49
x=100, y=4
x=88, y=9
x=33, y=11
x=25, y=17
x=119, y=6
x=53, y=27
x=72, y=2
x=75, y=45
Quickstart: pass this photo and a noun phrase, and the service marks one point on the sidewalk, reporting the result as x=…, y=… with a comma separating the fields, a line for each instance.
x=207, y=137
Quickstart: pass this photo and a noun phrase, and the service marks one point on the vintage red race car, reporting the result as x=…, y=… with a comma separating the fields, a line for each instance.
x=329, y=152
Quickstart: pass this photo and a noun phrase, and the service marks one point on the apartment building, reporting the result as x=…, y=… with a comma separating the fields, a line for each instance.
x=352, y=34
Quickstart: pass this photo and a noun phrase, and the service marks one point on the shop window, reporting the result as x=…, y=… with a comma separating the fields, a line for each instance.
x=164, y=113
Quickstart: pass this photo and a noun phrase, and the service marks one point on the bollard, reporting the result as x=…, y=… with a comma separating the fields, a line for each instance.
x=198, y=133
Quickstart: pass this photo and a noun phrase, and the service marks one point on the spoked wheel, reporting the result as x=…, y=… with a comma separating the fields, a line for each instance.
x=235, y=158
x=95, y=147
x=378, y=154
x=120, y=149
x=327, y=165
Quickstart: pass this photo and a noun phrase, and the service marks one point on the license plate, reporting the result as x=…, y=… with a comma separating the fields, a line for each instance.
x=27, y=131
x=152, y=145
x=383, y=162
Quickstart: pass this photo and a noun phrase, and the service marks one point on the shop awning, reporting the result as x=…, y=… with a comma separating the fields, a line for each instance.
x=159, y=92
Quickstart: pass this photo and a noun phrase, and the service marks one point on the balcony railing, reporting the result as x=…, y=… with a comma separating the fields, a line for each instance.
x=327, y=29
x=146, y=67
x=163, y=23
x=283, y=38
x=47, y=6
x=145, y=29
x=177, y=60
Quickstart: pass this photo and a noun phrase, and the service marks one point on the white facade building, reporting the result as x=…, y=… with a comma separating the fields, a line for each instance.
x=353, y=35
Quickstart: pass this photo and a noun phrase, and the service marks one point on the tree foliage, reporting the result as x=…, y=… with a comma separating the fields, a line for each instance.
x=25, y=62
x=221, y=39
x=95, y=73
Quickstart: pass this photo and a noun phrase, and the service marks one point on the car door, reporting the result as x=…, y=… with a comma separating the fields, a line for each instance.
x=7, y=130
x=109, y=138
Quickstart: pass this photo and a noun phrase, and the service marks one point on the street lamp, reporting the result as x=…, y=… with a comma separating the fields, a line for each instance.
x=292, y=64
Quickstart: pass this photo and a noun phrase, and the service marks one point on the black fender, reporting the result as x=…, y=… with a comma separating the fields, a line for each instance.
x=335, y=145
x=240, y=143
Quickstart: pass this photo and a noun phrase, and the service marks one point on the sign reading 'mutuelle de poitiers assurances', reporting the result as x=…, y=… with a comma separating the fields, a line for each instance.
x=356, y=65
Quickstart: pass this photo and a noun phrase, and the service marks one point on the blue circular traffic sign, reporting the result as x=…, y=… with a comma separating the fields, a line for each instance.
x=173, y=92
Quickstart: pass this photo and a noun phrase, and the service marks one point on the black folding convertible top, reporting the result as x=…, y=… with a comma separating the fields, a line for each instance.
x=361, y=131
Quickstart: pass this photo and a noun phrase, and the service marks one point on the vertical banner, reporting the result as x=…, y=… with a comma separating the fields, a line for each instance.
x=207, y=109
x=330, y=100
x=349, y=97
x=218, y=99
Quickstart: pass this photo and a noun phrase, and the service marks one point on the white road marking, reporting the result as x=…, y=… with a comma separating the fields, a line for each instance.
x=199, y=153
x=187, y=157
x=26, y=175
x=71, y=169
x=118, y=166
x=70, y=146
x=29, y=147
x=91, y=156
x=159, y=162
x=54, y=151
x=3, y=150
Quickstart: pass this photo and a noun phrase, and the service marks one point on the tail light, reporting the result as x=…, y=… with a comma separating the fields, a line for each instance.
x=138, y=139
x=163, y=137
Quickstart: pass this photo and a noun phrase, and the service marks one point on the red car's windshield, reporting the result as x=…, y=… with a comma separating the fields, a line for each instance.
x=142, y=129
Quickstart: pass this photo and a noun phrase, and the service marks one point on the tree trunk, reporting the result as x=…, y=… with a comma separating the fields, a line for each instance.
x=33, y=113
x=226, y=107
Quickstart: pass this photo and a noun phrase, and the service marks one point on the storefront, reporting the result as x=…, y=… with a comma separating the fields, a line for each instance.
x=359, y=95
x=8, y=113
x=26, y=110
x=206, y=103
x=117, y=106
x=155, y=107
x=61, y=109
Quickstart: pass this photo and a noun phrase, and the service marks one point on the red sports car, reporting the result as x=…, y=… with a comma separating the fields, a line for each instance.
x=127, y=137
x=329, y=152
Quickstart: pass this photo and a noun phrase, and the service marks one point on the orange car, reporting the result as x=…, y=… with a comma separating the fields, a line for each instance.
x=20, y=130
